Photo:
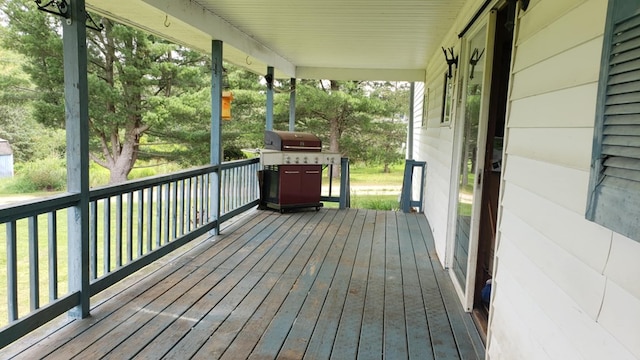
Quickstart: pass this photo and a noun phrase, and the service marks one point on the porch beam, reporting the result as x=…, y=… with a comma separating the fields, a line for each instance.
x=270, y=80
x=303, y=72
x=292, y=106
x=76, y=91
x=216, y=129
x=194, y=14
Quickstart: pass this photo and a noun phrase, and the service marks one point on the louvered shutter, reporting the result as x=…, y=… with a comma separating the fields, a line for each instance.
x=616, y=183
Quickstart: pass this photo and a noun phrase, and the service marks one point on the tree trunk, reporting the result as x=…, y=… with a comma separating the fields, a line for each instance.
x=125, y=158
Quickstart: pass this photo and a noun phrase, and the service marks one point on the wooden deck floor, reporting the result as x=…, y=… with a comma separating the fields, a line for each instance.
x=339, y=284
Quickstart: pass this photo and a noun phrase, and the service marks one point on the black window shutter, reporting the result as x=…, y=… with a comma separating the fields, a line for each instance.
x=615, y=201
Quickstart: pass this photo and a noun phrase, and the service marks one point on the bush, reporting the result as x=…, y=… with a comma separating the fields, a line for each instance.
x=48, y=174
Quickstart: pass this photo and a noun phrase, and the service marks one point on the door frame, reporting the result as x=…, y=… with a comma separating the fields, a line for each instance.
x=466, y=293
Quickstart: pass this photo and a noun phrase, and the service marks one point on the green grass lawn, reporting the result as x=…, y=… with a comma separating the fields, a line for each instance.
x=373, y=175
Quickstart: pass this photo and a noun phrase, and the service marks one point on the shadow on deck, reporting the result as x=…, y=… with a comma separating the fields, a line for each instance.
x=339, y=284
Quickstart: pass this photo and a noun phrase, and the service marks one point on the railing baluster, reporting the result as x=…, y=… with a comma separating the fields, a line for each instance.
x=245, y=185
x=34, y=268
x=129, y=227
x=167, y=207
x=228, y=197
x=53, y=255
x=208, y=197
x=188, y=209
x=182, y=205
x=106, y=240
x=202, y=200
x=118, y=231
x=236, y=193
x=248, y=190
x=222, y=192
x=196, y=214
x=93, y=240
x=159, y=217
x=174, y=216
x=239, y=186
x=228, y=194
x=222, y=177
x=149, y=219
x=12, y=271
x=140, y=221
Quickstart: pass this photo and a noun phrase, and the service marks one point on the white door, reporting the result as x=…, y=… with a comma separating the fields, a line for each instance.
x=469, y=162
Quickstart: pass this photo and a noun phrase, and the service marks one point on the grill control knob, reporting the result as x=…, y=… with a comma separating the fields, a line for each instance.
x=305, y=159
x=297, y=160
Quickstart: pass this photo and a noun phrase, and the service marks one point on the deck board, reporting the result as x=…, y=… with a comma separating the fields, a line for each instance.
x=326, y=327
x=347, y=339
x=371, y=332
x=339, y=284
x=418, y=337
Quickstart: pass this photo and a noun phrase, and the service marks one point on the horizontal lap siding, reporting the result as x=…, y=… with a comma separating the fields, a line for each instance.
x=566, y=228
x=435, y=146
x=563, y=284
x=553, y=322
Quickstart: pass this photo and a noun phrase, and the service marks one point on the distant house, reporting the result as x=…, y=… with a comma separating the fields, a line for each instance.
x=6, y=159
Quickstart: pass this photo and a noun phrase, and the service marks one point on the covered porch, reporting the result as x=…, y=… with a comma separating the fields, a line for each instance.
x=335, y=283
x=339, y=284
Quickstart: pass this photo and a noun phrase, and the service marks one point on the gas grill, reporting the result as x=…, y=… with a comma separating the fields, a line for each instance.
x=292, y=170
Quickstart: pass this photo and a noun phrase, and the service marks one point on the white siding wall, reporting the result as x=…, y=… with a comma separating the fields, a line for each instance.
x=564, y=287
x=434, y=144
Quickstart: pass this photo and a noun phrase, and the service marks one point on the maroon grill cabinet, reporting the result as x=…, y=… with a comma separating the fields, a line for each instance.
x=292, y=170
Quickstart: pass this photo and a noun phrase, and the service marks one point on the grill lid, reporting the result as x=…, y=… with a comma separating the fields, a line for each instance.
x=291, y=141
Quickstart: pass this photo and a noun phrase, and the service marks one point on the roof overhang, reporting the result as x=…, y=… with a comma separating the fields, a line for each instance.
x=332, y=39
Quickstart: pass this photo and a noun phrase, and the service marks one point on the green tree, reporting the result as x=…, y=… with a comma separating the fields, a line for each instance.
x=29, y=140
x=357, y=119
x=137, y=84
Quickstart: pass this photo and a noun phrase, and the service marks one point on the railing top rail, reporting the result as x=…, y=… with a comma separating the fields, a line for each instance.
x=37, y=207
x=131, y=186
x=239, y=163
x=45, y=205
x=135, y=185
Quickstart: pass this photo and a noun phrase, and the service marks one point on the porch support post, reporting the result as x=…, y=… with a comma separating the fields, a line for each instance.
x=216, y=130
x=292, y=106
x=76, y=91
x=412, y=93
x=345, y=184
x=269, y=78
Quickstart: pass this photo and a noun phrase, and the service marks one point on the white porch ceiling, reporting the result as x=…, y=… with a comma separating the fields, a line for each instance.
x=316, y=39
